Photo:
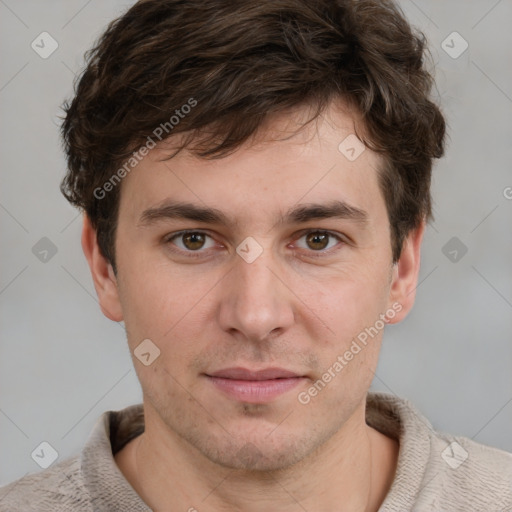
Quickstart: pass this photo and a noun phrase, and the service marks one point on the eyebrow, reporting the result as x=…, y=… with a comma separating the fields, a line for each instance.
x=299, y=214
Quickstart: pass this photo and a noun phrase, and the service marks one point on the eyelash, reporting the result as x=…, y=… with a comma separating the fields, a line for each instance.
x=200, y=253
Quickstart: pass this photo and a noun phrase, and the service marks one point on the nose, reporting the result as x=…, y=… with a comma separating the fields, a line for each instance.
x=256, y=303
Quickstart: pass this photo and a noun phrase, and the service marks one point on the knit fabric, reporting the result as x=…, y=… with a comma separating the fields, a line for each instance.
x=435, y=472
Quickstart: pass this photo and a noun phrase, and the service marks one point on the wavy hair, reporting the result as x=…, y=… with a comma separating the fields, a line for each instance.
x=243, y=60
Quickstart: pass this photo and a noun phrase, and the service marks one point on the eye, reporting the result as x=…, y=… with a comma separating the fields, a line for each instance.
x=191, y=241
x=320, y=241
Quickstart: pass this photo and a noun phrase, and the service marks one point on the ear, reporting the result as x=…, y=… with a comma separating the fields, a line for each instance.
x=103, y=275
x=405, y=275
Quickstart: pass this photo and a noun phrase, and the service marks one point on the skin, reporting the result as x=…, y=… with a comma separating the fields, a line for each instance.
x=203, y=450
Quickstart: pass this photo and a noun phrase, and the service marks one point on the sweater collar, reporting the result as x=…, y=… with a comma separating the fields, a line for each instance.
x=397, y=418
x=107, y=487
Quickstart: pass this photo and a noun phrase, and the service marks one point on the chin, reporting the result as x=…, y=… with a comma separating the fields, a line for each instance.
x=250, y=458
x=259, y=454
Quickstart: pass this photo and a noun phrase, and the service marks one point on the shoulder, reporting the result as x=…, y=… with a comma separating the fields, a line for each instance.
x=436, y=471
x=56, y=489
x=468, y=475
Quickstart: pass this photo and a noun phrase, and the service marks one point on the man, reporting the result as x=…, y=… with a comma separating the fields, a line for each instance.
x=255, y=178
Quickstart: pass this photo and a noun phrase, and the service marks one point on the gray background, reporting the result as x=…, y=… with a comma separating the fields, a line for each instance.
x=63, y=363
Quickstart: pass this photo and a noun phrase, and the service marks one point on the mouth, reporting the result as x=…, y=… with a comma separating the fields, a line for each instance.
x=254, y=386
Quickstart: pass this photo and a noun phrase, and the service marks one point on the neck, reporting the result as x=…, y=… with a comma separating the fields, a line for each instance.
x=351, y=471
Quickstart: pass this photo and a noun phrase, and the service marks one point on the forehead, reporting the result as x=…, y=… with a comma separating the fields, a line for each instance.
x=280, y=167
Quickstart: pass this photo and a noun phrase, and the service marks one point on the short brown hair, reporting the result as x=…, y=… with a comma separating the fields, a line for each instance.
x=242, y=60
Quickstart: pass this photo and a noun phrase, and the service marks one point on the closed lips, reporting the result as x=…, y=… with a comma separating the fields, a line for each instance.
x=254, y=375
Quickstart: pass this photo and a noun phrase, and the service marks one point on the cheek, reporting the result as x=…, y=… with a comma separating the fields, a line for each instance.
x=154, y=301
x=346, y=302
x=350, y=308
x=348, y=353
x=169, y=308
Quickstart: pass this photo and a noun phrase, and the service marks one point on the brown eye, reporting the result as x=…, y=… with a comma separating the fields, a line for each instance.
x=193, y=241
x=317, y=241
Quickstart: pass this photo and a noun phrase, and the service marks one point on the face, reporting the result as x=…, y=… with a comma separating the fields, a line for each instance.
x=256, y=302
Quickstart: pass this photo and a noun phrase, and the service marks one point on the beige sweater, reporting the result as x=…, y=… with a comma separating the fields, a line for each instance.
x=436, y=472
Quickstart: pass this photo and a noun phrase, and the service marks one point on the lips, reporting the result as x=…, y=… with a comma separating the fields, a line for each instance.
x=254, y=386
x=244, y=374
